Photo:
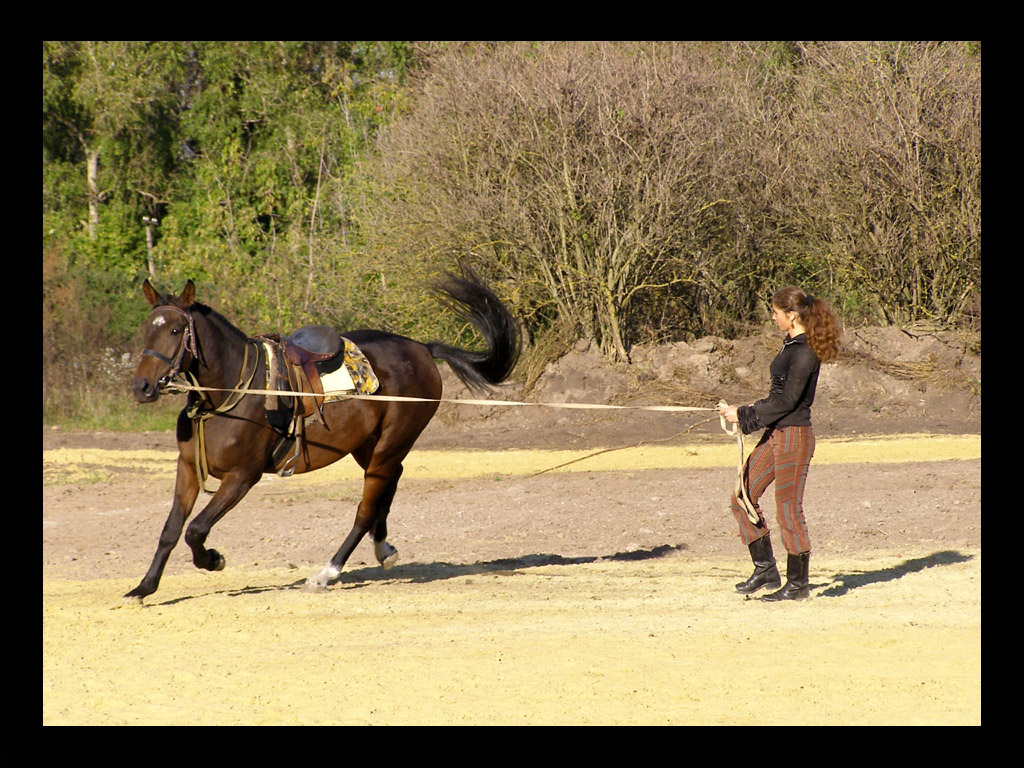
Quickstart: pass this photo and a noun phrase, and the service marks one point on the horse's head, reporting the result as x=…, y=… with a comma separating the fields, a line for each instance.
x=168, y=338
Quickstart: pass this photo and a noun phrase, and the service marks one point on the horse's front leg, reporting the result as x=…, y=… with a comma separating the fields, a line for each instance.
x=186, y=490
x=233, y=488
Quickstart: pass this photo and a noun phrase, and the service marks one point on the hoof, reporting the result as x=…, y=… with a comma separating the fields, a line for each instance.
x=386, y=554
x=136, y=596
x=329, y=575
x=131, y=601
x=217, y=561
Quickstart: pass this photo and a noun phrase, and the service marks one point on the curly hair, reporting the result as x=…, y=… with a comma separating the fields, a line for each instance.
x=823, y=330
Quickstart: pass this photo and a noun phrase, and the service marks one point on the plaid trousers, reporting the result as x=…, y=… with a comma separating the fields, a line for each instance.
x=781, y=456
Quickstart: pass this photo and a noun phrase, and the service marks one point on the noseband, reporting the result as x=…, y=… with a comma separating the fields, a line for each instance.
x=188, y=343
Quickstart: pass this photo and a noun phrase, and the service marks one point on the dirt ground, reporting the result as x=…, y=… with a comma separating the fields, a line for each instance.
x=600, y=592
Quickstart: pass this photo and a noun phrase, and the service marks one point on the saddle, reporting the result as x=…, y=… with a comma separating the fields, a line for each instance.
x=315, y=359
x=313, y=350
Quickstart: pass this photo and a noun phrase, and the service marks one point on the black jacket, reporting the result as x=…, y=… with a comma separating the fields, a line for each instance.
x=794, y=374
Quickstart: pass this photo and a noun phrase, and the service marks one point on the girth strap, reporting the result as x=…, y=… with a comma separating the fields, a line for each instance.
x=279, y=381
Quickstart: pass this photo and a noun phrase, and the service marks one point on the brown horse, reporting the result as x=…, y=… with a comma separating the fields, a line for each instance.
x=182, y=336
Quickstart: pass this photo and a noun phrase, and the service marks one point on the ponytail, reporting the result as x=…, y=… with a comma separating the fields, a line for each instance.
x=823, y=331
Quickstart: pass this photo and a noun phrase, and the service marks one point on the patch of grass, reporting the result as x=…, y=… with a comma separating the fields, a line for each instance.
x=85, y=410
x=75, y=476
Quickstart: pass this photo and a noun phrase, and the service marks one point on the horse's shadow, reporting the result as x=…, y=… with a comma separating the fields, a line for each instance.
x=424, y=573
x=421, y=573
x=842, y=583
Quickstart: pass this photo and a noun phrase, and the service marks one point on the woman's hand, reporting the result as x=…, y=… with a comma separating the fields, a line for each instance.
x=728, y=412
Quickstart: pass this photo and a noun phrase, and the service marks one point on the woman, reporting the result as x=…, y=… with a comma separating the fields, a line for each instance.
x=784, y=452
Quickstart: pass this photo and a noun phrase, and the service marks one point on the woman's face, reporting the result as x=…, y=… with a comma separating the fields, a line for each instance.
x=784, y=320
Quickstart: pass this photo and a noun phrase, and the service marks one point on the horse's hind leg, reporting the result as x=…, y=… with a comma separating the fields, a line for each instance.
x=379, y=485
x=386, y=554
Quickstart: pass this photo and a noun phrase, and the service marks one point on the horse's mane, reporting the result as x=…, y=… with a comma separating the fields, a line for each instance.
x=209, y=313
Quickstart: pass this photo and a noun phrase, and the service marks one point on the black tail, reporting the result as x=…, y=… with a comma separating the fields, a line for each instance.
x=474, y=302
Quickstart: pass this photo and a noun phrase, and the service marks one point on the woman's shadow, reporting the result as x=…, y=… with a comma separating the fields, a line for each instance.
x=842, y=583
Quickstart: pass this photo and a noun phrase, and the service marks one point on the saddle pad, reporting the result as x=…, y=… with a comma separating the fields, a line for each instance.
x=337, y=381
x=356, y=375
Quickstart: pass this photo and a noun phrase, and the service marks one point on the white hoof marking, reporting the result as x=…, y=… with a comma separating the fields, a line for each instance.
x=329, y=575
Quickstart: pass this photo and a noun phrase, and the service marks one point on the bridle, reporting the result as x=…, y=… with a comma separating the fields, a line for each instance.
x=188, y=344
x=188, y=382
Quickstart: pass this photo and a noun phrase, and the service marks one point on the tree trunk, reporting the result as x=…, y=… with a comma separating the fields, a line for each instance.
x=92, y=172
x=149, y=248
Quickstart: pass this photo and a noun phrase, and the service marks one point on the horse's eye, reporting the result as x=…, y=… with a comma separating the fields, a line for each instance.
x=175, y=331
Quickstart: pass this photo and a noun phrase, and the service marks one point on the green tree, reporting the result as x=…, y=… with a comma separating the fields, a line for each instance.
x=270, y=133
x=109, y=119
x=240, y=151
x=237, y=149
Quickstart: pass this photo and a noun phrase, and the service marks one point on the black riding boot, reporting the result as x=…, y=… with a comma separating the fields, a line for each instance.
x=797, y=581
x=765, y=574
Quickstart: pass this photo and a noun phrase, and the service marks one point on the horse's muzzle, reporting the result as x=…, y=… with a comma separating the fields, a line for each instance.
x=144, y=390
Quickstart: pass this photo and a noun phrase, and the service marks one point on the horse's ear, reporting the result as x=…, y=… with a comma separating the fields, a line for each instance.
x=151, y=295
x=188, y=295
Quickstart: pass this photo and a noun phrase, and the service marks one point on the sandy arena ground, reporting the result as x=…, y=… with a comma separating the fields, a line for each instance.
x=600, y=593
